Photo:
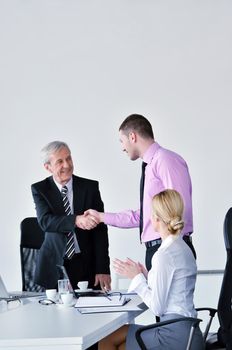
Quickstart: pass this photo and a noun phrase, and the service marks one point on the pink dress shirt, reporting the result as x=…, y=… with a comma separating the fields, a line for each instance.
x=165, y=170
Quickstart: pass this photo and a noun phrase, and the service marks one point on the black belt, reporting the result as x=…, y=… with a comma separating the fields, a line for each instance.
x=150, y=244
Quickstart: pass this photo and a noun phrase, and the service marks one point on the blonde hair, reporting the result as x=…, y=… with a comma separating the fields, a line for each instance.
x=168, y=206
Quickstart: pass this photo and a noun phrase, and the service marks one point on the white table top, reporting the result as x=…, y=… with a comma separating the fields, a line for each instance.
x=36, y=326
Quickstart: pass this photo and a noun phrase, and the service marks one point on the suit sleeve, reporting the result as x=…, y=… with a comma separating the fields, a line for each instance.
x=48, y=220
x=100, y=239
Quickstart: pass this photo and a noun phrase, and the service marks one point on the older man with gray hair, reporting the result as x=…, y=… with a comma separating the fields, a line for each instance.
x=71, y=239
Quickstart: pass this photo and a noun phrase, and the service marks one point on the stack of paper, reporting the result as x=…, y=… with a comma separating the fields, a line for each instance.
x=100, y=304
x=101, y=301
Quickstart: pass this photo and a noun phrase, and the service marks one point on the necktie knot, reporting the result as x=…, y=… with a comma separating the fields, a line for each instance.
x=143, y=166
x=64, y=190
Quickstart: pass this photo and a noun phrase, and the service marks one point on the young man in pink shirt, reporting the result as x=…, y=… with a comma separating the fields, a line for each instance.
x=163, y=169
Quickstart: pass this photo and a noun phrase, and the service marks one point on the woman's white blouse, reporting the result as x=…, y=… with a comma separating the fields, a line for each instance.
x=170, y=284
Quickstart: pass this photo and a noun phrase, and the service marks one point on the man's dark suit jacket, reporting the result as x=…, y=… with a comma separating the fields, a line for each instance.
x=56, y=225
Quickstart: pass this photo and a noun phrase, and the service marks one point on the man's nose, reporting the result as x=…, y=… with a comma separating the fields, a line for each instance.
x=66, y=164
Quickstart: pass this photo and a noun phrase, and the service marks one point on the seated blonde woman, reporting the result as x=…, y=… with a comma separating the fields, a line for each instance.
x=167, y=289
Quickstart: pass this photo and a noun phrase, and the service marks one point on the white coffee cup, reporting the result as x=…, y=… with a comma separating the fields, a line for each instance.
x=83, y=285
x=67, y=298
x=51, y=294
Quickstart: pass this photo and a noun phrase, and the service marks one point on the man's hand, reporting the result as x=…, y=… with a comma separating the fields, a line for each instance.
x=104, y=281
x=128, y=268
x=85, y=222
x=98, y=217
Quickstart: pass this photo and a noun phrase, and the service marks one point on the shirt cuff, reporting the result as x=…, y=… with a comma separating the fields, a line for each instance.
x=136, y=281
x=109, y=219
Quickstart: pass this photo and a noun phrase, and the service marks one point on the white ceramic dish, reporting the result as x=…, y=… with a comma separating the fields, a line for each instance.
x=66, y=305
x=83, y=291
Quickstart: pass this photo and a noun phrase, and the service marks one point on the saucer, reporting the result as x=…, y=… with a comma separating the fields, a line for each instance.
x=66, y=305
x=83, y=290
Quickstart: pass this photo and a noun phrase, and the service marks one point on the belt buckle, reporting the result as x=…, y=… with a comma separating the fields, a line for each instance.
x=152, y=243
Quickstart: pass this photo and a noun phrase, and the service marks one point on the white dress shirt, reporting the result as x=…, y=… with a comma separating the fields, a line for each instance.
x=170, y=284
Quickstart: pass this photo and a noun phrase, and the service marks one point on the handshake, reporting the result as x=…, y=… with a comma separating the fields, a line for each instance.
x=90, y=219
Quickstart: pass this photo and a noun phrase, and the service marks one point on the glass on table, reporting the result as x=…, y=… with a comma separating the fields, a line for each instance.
x=64, y=287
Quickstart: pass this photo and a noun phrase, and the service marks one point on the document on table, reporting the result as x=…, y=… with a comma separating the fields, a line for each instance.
x=128, y=306
x=102, y=301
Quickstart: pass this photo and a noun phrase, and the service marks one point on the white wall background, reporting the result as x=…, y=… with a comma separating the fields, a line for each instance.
x=73, y=70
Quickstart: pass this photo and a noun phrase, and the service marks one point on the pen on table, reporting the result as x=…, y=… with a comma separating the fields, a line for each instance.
x=107, y=296
x=126, y=301
x=129, y=293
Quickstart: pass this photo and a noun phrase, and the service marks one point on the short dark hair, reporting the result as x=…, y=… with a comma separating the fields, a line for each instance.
x=138, y=123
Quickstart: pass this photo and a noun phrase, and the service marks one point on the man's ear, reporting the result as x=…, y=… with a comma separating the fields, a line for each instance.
x=132, y=137
x=47, y=167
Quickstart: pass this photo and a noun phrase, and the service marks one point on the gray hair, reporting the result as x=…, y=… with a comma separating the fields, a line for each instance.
x=51, y=148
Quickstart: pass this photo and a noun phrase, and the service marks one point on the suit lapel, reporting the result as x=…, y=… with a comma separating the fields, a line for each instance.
x=54, y=196
x=79, y=193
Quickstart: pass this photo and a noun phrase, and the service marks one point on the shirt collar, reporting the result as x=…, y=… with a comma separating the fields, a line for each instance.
x=168, y=241
x=68, y=185
x=149, y=154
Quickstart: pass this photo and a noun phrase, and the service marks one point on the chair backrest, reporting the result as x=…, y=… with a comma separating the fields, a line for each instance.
x=32, y=238
x=194, y=322
x=224, y=303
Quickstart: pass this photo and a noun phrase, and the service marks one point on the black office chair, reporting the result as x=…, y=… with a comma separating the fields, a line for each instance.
x=32, y=238
x=194, y=322
x=224, y=304
x=223, y=338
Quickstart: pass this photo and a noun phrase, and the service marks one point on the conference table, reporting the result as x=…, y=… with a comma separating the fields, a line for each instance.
x=49, y=327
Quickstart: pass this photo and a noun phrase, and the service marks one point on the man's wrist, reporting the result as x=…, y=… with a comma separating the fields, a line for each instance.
x=77, y=220
x=101, y=217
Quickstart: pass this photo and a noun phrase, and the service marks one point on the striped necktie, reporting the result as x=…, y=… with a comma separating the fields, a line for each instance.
x=70, y=246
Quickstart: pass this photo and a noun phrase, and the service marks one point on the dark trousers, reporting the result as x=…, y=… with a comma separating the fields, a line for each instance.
x=151, y=251
x=190, y=244
x=78, y=270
